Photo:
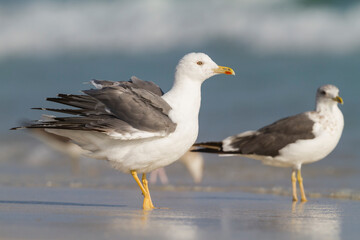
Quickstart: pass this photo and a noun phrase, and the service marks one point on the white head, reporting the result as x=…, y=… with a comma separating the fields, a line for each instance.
x=327, y=95
x=199, y=66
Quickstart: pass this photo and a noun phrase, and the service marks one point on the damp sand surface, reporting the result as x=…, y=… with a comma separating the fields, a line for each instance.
x=90, y=213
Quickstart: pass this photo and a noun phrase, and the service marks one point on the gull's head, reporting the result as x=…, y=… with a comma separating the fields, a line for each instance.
x=328, y=94
x=199, y=66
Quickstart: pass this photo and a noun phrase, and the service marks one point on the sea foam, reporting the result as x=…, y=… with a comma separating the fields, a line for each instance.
x=43, y=28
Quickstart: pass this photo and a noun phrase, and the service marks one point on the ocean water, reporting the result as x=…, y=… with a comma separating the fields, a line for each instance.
x=281, y=51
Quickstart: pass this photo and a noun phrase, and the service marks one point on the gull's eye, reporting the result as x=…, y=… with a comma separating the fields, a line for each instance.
x=199, y=63
x=322, y=92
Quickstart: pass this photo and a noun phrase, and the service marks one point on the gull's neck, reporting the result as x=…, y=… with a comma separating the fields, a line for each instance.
x=326, y=107
x=332, y=115
x=184, y=98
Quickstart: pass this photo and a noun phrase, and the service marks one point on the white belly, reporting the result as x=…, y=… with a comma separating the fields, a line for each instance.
x=307, y=151
x=142, y=155
x=150, y=154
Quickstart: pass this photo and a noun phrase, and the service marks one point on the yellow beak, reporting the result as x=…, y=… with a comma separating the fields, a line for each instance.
x=338, y=99
x=224, y=70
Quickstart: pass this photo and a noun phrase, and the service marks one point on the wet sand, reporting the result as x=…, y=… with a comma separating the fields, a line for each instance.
x=88, y=213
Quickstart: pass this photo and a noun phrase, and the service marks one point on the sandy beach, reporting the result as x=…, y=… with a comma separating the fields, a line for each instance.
x=85, y=213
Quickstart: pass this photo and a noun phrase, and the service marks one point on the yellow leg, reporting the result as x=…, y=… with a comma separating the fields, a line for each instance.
x=302, y=191
x=147, y=205
x=293, y=181
x=146, y=186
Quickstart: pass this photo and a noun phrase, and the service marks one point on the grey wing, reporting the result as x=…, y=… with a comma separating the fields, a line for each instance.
x=147, y=85
x=121, y=112
x=134, y=82
x=269, y=140
x=140, y=108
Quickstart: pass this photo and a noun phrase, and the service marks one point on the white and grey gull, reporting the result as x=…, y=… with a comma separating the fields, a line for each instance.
x=290, y=142
x=131, y=124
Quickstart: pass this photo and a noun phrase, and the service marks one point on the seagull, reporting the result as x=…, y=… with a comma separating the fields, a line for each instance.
x=131, y=124
x=194, y=163
x=290, y=142
x=60, y=144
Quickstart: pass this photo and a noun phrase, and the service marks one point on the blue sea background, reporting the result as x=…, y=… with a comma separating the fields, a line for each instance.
x=281, y=51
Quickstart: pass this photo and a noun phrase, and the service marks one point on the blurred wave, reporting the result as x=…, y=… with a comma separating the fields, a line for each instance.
x=54, y=27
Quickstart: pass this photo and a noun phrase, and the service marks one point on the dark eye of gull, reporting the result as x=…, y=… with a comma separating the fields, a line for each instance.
x=322, y=92
x=200, y=63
